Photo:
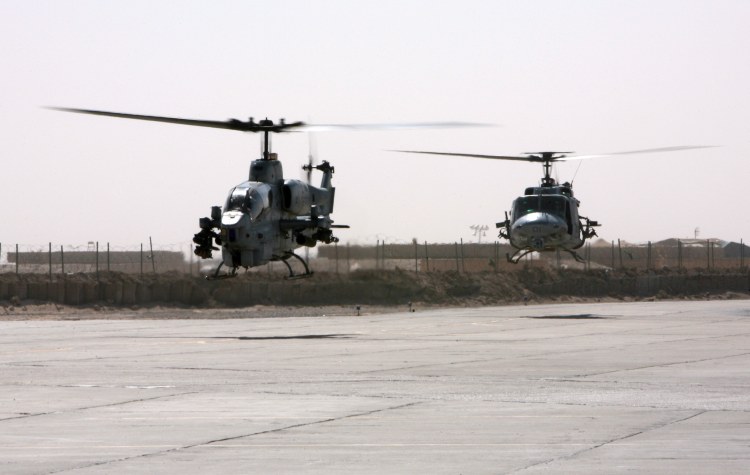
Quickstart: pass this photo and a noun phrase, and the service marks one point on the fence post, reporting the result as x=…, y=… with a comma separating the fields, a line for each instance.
x=16, y=258
x=50, y=261
x=153, y=259
x=97, y=261
x=377, y=254
x=141, y=258
x=713, y=257
x=613, y=255
x=107, y=257
x=458, y=269
x=463, y=263
x=416, y=257
x=708, y=254
x=742, y=254
x=426, y=256
x=648, y=257
x=496, y=253
x=62, y=260
x=382, y=255
x=619, y=250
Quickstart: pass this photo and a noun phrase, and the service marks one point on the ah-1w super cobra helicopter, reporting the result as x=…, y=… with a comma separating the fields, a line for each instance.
x=546, y=217
x=267, y=217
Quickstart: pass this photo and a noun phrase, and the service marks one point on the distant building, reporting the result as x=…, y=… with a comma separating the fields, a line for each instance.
x=87, y=261
x=673, y=242
x=736, y=249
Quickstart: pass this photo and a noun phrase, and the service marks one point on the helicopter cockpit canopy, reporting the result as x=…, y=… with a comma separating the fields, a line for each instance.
x=555, y=205
x=249, y=197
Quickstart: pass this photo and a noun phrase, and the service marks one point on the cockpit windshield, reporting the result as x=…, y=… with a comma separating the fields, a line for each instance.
x=555, y=205
x=250, y=198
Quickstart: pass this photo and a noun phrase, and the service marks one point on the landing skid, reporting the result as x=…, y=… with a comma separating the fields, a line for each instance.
x=576, y=256
x=518, y=255
x=216, y=276
x=292, y=275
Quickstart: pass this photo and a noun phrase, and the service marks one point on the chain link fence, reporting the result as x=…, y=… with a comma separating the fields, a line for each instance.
x=678, y=255
x=96, y=257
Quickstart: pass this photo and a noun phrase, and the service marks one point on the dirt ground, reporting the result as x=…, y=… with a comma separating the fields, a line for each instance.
x=30, y=312
x=51, y=311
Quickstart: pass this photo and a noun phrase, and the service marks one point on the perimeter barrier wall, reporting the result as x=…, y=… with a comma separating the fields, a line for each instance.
x=361, y=288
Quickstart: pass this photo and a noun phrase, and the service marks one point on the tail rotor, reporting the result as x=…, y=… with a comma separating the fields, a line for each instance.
x=312, y=157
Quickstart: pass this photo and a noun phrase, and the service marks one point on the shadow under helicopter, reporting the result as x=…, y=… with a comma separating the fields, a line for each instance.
x=579, y=316
x=325, y=336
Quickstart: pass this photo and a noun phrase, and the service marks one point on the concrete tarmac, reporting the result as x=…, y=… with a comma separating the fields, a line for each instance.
x=649, y=387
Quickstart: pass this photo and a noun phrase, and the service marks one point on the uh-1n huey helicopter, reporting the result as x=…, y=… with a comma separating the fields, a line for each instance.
x=266, y=218
x=546, y=217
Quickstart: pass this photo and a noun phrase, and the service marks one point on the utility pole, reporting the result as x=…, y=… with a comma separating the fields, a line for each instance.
x=479, y=231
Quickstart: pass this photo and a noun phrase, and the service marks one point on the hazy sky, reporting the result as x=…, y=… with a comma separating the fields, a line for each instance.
x=588, y=76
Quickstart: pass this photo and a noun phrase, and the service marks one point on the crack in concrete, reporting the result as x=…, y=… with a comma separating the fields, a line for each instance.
x=607, y=442
x=86, y=408
x=236, y=370
x=674, y=363
x=456, y=397
x=43, y=363
x=236, y=437
x=553, y=353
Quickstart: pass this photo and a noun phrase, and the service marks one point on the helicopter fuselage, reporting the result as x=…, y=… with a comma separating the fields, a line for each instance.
x=248, y=235
x=266, y=217
x=546, y=218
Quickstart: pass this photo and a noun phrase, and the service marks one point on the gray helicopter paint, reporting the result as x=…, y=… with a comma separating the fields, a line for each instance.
x=265, y=218
x=546, y=219
x=538, y=232
x=251, y=231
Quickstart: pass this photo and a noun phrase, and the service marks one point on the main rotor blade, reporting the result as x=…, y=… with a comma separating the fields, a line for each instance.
x=540, y=156
x=250, y=126
x=396, y=126
x=526, y=158
x=676, y=148
x=231, y=124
